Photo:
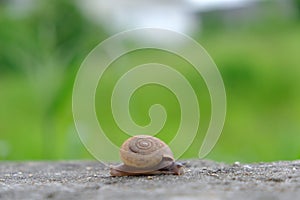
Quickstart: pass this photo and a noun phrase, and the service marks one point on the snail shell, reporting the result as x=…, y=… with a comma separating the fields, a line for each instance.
x=143, y=154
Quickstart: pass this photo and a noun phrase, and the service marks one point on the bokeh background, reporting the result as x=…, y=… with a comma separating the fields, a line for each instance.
x=255, y=44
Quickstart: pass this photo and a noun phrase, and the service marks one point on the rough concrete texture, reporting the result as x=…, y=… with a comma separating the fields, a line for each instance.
x=202, y=180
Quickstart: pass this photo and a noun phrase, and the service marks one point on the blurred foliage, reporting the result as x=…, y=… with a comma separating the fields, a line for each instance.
x=261, y=74
x=40, y=54
x=41, y=51
x=297, y=3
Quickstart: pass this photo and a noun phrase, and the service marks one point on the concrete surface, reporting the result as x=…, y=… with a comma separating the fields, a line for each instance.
x=202, y=180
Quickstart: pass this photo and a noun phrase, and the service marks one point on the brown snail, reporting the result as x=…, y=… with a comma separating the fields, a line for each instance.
x=146, y=155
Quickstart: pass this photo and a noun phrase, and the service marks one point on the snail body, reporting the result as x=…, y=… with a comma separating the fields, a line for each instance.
x=146, y=155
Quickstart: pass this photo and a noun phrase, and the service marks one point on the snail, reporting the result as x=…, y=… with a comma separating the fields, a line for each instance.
x=146, y=155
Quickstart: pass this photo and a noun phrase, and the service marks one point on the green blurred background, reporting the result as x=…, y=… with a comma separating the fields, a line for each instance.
x=258, y=55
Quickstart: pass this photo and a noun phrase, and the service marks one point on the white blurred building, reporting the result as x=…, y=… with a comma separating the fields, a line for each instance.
x=119, y=15
x=180, y=15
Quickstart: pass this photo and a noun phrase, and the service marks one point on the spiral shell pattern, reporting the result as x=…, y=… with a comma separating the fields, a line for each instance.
x=144, y=151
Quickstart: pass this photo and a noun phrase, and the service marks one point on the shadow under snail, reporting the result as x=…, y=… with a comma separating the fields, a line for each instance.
x=146, y=155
